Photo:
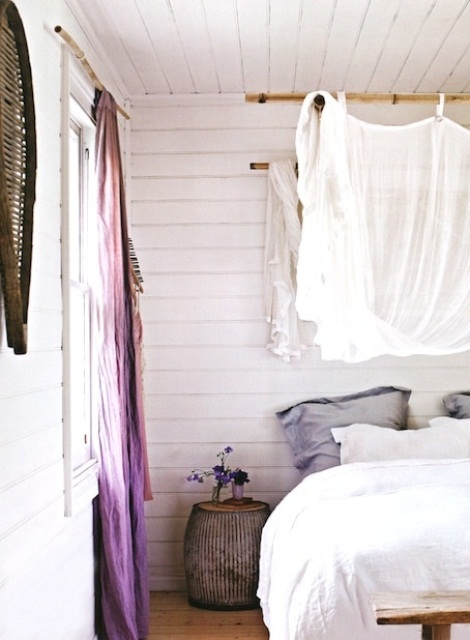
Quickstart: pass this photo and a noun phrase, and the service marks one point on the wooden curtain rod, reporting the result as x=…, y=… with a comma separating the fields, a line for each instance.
x=387, y=98
x=86, y=65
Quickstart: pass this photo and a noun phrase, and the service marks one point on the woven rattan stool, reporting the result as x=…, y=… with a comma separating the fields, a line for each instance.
x=221, y=554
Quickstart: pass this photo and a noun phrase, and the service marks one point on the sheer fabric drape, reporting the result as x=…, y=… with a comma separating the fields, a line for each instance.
x=384, y=258
x=120, y=514
x=280, y=259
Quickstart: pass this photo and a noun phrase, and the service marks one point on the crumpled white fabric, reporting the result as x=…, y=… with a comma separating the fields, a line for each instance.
x=280, y=260
x=384, y=257
x=361, y=528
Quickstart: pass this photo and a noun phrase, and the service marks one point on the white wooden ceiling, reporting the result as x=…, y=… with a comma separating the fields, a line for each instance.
x=252, y=46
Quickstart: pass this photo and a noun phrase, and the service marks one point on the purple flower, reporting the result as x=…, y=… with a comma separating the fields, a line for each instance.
x=239, y=476
x=222, y=474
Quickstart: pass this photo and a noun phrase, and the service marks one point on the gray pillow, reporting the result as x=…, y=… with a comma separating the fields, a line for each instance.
x=308, y=424
x=458, y=404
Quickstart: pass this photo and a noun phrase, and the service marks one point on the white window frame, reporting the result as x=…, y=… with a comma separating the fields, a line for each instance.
x=80, y=480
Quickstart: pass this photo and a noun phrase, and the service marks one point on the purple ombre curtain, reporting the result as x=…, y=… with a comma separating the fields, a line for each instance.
x=123, y=578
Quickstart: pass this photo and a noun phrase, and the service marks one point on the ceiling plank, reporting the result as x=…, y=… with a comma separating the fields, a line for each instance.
x=284, y=33
x=459, y=78
x=416, y=36
x=453, y=46
x=222, y=22
x=134, y=36
x=344, y=35
x=313, y=37
x=124, y=33
x=166, y=42
x=253, y=22
x=192, y=27
x=102, y=38
x=190, y=47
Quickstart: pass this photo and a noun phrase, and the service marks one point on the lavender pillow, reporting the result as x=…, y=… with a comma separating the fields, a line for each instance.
x=308, y=424
x=458, y=404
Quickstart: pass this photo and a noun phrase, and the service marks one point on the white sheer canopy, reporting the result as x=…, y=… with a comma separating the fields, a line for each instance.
x=384, y=257
x=280, y=259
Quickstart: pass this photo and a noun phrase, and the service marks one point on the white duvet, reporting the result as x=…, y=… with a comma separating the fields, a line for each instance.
x=346, y=532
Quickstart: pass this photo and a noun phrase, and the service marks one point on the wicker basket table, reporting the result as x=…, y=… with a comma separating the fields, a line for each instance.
x=221, y=553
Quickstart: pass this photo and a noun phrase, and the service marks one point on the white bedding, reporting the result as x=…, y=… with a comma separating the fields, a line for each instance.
x=348, y=531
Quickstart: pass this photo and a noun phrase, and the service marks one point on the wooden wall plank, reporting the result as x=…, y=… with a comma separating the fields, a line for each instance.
x=181, y=213
x=195, y=140
x=37, y=486
x=198, y=430
x=202, y=164
x=207, y=259
x=176, y=284
x=177, y=310
x=235, y=116
x=200, y=236
x=222, y=188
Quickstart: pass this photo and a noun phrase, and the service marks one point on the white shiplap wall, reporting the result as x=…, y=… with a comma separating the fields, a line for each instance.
x=198, y=215
x=46, y=560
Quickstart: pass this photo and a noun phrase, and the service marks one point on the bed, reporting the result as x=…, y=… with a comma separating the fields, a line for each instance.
x=362, y=525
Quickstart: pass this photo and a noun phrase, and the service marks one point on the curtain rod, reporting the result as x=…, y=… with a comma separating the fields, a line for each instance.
x=388, y=98
x=86, y=65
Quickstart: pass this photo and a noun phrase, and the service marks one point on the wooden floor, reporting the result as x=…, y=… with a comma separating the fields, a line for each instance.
x=172, y=618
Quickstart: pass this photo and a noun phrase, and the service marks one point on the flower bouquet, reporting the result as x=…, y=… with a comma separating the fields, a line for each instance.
x=222, y=474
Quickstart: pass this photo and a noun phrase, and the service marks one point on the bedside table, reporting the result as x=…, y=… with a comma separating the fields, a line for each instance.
x=221, y=553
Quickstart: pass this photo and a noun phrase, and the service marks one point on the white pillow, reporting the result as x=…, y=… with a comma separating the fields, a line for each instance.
x=445, y=421
x=369, y=443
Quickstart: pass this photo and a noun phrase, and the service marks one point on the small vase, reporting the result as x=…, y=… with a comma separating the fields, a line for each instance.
x=237, y=491
x=216, y=492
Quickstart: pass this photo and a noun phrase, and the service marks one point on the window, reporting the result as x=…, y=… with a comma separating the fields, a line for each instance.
x=79, y=319
x=78, y=262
